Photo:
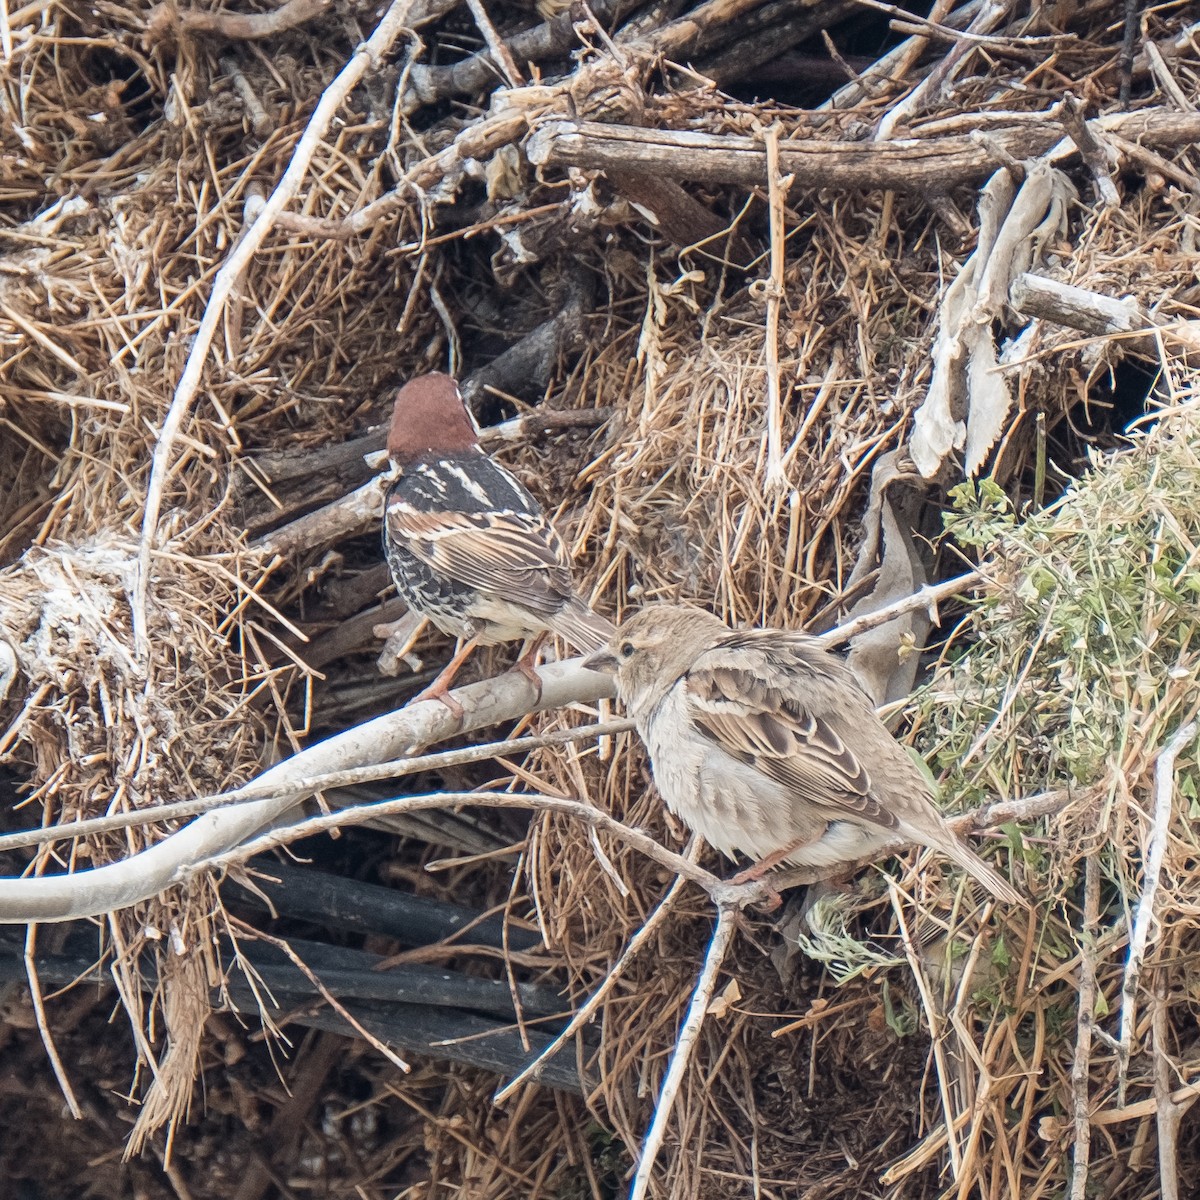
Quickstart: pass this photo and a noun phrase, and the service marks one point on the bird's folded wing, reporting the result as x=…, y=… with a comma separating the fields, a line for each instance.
x=514, y=557
x=758, y=715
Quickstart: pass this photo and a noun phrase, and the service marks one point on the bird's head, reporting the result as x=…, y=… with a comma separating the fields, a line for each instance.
x=652, y=649
x=430, y=419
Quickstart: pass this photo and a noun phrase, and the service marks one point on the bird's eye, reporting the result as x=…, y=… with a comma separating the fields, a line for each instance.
x=626, y=649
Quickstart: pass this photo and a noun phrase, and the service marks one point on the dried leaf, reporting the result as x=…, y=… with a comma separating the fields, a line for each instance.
x=883, y=659
x=969, y=398
x=721, y=1005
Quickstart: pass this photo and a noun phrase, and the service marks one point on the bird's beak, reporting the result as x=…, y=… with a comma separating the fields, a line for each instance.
x=602, y=660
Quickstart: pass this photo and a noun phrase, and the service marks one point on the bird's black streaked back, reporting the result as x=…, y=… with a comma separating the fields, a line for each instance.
x=466, y=483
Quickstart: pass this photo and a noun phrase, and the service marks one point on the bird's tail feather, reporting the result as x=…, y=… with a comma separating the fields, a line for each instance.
x=586, y=630
x=991, y=879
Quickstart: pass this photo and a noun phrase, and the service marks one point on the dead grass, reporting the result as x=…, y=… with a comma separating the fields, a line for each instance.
x=1073, y=669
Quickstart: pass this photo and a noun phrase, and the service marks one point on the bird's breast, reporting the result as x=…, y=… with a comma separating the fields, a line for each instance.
x=733, y=807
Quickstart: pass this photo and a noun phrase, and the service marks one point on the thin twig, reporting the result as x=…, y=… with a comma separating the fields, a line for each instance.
x=649, y=928
x=1081, y=1068
x=927, y=597
x=777, y=187
x=453, y=343
x=1143, y=920
x=834, y=53
x=501, y=54
x=684, y=1046
x=912, y=23
x=332, y=1000
x=1151, y=161
x=1138, y=1111
x=476, y=142
x=1093, y=152
x=937, y=1033
x=1027, y=808
x=39, y=1015
x=636, y=839
x=395, y=769
x=1169, y=84
x=368, y=55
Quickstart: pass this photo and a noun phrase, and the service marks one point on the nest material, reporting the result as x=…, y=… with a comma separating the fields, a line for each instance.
x=1073, y=671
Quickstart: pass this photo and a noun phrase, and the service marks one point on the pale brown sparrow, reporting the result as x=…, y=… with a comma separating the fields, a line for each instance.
x=765, y=745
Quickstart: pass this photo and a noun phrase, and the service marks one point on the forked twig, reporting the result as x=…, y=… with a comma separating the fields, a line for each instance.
x=395, y=769
x=108, y=888
x=639, y=939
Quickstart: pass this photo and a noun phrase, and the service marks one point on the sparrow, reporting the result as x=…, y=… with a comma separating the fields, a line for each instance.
x=467, y=545
x=764, y=744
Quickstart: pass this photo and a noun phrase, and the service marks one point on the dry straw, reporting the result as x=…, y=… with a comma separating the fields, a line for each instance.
x=1062, y=1059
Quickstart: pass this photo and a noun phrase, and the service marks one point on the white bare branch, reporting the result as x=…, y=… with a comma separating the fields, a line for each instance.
x=686, y=1044
x=368, y=55
x=1143, y=920
x=394, y=735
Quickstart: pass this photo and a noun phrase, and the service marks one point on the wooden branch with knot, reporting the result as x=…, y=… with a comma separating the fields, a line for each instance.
x=167, y=21
x=920, y=165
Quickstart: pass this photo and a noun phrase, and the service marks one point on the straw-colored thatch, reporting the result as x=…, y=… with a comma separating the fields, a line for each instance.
x=139, y=148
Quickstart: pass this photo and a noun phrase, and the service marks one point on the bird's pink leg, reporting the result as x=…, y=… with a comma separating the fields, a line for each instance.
x=439, y=688
x=753, y=874
x=527, y=663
